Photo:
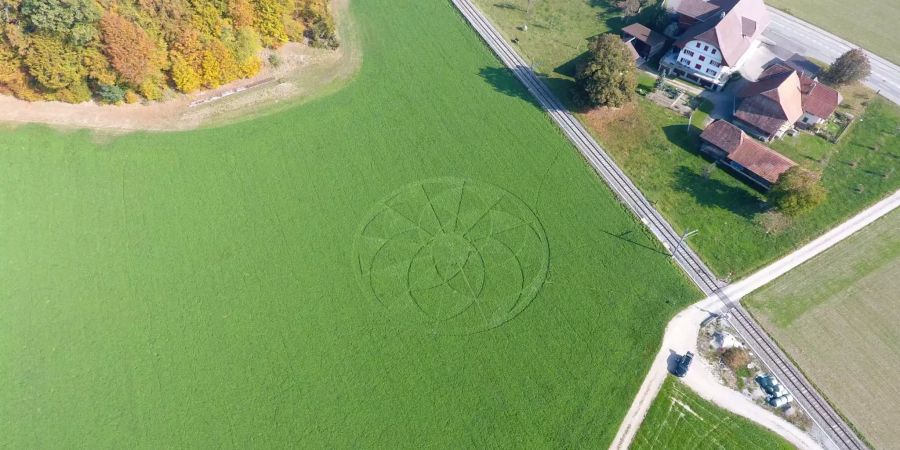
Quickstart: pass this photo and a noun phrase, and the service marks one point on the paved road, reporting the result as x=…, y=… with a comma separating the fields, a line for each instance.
x=680, y=336
x=681, y=332
x=628, y=193
x=801, y=37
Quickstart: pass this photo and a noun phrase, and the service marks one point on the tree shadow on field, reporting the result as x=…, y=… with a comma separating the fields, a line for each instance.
x=508, y=5
x=710, y=192
x=615, y=19
x=631, y=237
x=503, y=81
x=688, y=139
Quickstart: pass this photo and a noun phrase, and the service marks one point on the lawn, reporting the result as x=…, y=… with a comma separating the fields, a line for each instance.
x=242, y=286
x=655, y=148
x=865, y=22
x=837, y=316
x=680, y=419
x=557, y=32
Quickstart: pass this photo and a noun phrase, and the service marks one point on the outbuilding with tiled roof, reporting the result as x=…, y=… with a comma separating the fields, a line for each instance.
x=733, y=148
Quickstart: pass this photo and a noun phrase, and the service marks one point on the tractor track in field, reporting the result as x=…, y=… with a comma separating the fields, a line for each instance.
x=779, y=364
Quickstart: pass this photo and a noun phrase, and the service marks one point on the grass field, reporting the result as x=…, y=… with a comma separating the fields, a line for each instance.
x=557, y=33
x=680, y=420
x=653, y=146
x=241, y=287
x=837, y=316
x=867, y=23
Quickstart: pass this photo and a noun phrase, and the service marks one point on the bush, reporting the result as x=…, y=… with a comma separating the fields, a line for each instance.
x=274, y=60
x=111, y=94
x=736, y=358
x=131, y=97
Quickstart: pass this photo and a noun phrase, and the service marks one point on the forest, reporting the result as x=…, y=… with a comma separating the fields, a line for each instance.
x=118, y=51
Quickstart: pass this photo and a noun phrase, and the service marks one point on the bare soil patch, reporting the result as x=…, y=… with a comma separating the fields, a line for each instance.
x=303, y=73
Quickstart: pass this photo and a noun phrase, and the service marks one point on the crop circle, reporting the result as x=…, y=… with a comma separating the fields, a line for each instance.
x=452, y=256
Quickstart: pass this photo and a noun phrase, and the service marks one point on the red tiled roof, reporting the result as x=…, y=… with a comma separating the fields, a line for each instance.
x=644, y=34
x=739, y=23
x=773, y=100
x=746, y=151
x=723, y=135
x=784, y=94
x=761, y=160
x=818, y=99
x=696, y=8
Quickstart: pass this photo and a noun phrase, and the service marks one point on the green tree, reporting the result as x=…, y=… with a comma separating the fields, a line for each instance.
x=72, y=19
x=798, y=190
x=111, y=94
x=608, y=77
x=850, y=67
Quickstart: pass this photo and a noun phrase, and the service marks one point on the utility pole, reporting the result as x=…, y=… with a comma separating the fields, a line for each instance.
x=684, y=237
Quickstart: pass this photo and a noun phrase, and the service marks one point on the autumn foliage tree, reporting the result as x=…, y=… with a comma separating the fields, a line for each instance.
x=130, y=50
x=69, y=50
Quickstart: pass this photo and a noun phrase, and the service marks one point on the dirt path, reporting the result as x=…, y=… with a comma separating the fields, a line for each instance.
x=681, y=336
x=304, y=73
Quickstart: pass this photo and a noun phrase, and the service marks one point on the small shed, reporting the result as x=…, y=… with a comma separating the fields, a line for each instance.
x=645, y=42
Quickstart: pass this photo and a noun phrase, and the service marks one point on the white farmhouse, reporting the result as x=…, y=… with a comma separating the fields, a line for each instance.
x=715, y=38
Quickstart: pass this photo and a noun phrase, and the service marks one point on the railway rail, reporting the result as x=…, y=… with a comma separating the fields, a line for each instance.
x=777, y=362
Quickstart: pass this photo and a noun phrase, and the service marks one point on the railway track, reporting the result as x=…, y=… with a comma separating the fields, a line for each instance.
x=777, y=362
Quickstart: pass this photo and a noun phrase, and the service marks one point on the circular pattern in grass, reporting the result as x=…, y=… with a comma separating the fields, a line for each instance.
x=452, y=256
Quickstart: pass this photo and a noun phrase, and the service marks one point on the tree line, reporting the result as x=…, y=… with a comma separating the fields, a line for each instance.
x=128, y=50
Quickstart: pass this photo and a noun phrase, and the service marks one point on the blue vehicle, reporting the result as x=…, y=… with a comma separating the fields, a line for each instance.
x=684, y=363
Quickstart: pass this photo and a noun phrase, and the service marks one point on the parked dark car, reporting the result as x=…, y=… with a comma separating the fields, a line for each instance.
x=684, y=363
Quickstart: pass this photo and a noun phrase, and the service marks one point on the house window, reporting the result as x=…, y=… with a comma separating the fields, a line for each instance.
x=805, y=119
x=698, y=45
x=697, y=66
x=702, y=58
x=710, y=71
x=715, y=63
x=705, y=48
x=685, y=61
x=713, y=51
x=689, y=53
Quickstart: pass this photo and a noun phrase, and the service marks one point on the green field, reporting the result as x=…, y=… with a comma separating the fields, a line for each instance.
x=680, y=420
x=868, y=23
x=243, y=286
x=837, y=316
x=654, y=147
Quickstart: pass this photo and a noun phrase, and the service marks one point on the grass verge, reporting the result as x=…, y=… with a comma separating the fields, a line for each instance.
x=680, y=419
x=835, y=315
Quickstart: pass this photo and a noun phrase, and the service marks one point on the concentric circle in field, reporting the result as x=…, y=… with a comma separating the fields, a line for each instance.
x=452, y=256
